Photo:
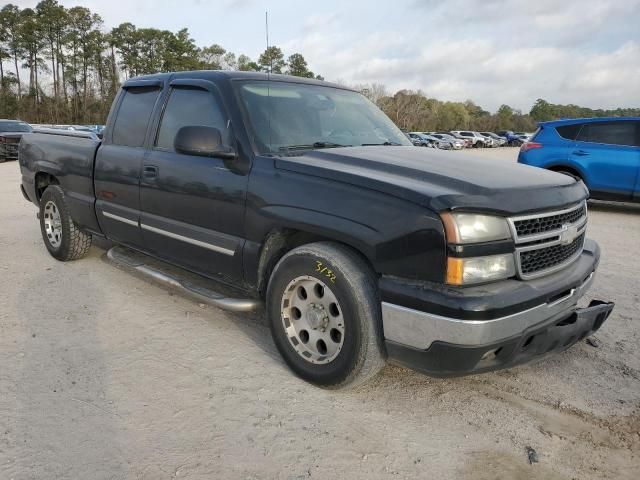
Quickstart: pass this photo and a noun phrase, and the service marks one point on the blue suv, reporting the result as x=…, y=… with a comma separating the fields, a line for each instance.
x=603, y=152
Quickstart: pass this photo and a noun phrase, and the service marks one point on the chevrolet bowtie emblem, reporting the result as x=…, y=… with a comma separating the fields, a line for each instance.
x=568, y=234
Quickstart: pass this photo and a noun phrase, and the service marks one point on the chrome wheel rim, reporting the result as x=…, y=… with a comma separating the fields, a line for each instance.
x=52, y=224
x=312, y=319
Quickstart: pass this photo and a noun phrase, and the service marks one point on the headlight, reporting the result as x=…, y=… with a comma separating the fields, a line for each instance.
x=474, y=228
x=464, y=271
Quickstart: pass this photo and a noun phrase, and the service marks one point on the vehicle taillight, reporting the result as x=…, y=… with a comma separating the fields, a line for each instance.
x=526, y=146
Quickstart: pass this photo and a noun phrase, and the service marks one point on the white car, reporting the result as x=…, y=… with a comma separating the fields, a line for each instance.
x=456, y=143
x=501, y=140
x=477, y=140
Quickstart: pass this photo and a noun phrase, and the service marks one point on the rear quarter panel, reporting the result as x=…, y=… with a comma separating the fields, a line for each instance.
x=70, y=160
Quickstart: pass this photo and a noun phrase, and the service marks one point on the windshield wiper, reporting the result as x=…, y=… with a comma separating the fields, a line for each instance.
x=387, y=143
x=315, y=145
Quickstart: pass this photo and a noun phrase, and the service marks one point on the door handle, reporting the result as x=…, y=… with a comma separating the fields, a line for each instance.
x=580, y=153
x=150, y=171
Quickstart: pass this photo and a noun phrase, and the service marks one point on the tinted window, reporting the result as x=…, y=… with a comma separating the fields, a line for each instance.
x=189, y=107
x=466, y=134
x=612, y=133
x=133, y=116
x=569, y=132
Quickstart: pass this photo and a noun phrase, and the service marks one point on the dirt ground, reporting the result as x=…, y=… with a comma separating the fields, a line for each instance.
x=106, y=376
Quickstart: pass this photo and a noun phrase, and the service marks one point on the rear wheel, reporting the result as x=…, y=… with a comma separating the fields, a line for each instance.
x=325, y=317
x=62, y=237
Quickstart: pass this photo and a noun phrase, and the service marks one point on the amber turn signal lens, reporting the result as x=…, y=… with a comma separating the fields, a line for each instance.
x=455, y=268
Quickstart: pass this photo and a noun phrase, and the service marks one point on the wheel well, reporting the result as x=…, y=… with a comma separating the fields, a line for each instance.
x=42, y=181
x=570, y=170
x=278, y=243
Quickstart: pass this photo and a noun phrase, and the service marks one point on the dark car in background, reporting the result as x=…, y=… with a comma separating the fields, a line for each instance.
x=11, y=132
x=603, y=152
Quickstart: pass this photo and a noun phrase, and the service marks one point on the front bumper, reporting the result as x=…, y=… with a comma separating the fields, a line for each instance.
x=447, y=332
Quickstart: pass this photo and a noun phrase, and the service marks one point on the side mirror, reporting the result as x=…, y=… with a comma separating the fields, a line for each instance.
x=202, y=141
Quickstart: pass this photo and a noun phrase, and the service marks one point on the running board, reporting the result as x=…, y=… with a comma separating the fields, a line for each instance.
x=174, y=278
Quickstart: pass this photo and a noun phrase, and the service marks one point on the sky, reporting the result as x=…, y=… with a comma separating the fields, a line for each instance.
x=494, y=52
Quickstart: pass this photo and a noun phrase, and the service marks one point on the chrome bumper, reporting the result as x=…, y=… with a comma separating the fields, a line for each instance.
x=419, y=330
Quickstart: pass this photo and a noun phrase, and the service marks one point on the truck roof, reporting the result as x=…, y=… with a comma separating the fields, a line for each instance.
x=235, y=75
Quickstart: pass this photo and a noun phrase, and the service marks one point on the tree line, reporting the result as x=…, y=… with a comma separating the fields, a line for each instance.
x=74, y=67
x=59, y=65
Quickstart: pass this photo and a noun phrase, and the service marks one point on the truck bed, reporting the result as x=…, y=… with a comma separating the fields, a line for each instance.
x=69, y=156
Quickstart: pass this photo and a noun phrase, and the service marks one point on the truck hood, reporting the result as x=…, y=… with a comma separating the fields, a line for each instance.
x=441, y=180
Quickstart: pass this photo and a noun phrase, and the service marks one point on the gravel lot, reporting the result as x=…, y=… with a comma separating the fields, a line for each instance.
x=103, y=375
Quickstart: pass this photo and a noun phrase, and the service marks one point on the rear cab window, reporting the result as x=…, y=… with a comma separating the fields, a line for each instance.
x=133, y=116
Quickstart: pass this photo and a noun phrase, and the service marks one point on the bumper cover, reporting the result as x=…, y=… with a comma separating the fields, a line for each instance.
x=445, y=331
x=443, y=359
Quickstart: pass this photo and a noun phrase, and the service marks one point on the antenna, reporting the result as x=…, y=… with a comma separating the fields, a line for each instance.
x=266, y=28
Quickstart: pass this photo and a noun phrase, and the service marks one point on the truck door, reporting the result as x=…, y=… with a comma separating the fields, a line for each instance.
x=607, y=153
x=119, y=160
x=192, y=207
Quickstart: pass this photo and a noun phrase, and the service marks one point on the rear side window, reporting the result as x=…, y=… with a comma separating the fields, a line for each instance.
x=569, y=132
x=189, y=107
x=610, y=133
x=133, y=116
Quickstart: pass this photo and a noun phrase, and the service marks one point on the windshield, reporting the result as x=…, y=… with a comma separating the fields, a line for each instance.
x=289, y=116
x=14, y=127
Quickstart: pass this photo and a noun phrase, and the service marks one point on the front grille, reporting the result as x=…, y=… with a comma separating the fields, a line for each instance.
x=543, y=224
x=546, y=258
x=541, y=240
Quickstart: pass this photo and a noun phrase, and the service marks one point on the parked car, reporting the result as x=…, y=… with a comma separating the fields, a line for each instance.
x=489, y=141
x=456, y=143
x=501, y=141
x=362, y=247
x=11, y=131
x=434, y=142
x=475, y=138
x=467, y=141
x=512, y=139
x=602, y=152
x=419, y=141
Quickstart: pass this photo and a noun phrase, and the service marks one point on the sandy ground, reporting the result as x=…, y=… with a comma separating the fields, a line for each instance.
x=105, y=376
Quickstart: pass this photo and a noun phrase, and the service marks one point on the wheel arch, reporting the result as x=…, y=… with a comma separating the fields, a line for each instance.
x=42, y=180
x=572, y=169
x=279, y=241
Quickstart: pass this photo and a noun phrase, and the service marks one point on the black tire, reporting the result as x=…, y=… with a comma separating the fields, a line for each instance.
x=353, y=283
x=72, y=243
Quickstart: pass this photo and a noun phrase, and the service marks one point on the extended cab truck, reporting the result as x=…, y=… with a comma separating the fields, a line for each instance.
x=305, y=195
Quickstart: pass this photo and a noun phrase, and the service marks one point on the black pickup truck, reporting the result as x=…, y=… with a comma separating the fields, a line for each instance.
x=305, y=196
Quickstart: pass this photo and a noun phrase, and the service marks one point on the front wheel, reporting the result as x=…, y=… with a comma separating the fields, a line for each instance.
x=325, y=316
x=62, y=237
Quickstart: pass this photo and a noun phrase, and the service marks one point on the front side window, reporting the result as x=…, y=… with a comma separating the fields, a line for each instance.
x=287, y=116
x=189, y=107
x=611, y=133
x=133, y=117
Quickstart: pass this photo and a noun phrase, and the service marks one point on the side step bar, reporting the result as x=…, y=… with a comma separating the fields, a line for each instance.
x=176, y=279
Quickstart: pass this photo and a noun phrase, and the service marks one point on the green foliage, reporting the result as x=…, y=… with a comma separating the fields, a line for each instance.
x=297, y=66
x=414, y=111
x=272, y=60
x=543, y=111
x=75, y=68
